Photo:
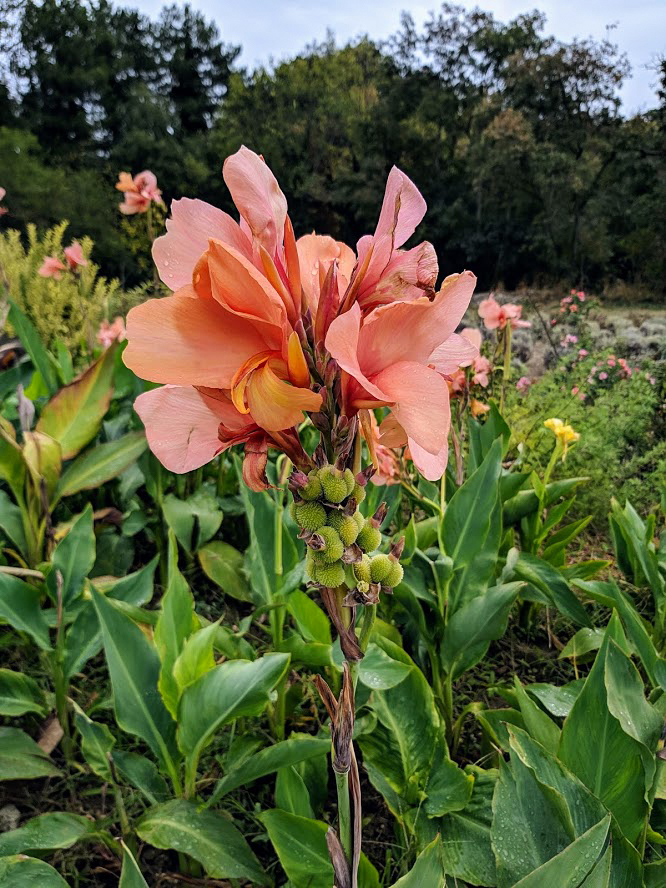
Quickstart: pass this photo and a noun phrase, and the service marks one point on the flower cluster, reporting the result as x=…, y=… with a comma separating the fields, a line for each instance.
x=564, y=434
x=573, y=308
x=108, y=333
x=3, y=210
x=569, y=339
x=496, y=316
x=262, y=328
x=524, y=384
x=52, y=267
x=607, y=371
x=140, y=191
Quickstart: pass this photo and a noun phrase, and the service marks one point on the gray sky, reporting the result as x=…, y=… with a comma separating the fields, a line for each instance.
x=280, y=28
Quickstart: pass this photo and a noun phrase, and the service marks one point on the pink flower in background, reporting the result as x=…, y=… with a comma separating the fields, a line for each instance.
x=573, y=308
x=74, y=256
x=496, y=316
x=611, y=362
x=603, y=375
x=139, y=192
x=523, y=384
x=108, y=333
x=569, y=339
x=575, y=390
x=581, y=296
x=52, y=268
x=3, y=210
x=583, y=352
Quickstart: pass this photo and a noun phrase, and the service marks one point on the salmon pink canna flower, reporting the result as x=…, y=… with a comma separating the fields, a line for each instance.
x=3, y=210
x=52, y=267
x=74, y=256
x=397, y=356
x=496, y=316
x=108, y=333
x=140, y=191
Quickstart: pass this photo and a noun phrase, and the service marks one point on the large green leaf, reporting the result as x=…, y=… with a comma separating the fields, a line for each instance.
x=176, y=622
x=291, y=793
x=196, y=657
x=41, y=360
x=477, y=622
x=224, y=566
x=537, y=724
x=379, y=671
x=616, y=760
x=548, y=580
x=449, y=787
x=142, y=773
x=571, y=866
x=266, y=761
x=21, y=758
x=73, y=417
x=427, y=871
x=134, y=667
x=467, y=522
x=73, y=558
x=312, y=622
x=231, y=690
x=206, y=836
x=20, y=694
x=11, y=519
x=12, y=462
x=46, y=832
x=130, y=876
x=97, y=741
x=300, y=844
x=18, y=871
x=101, y=464
x=20, y=606
x=194, y=520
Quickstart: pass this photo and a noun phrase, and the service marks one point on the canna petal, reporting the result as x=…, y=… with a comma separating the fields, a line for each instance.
x=421, y=406
x=192, y=224
x=188, y=341
x=343, y=341
x=182, y=426
x=403, y=208
x=408, y=275
x=276, y=405
x=412, y=331
x=258, y=197
x=318, y=250
x=431, y=466
x=456, y=352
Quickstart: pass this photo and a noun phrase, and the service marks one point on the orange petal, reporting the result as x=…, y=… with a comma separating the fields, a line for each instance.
x=257, y=195
x=188, y=342
x=299, y=372
x=276, y=405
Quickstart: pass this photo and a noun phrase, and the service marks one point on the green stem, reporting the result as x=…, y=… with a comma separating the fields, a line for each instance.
x=344, y=815
x=447, y=699
x=278, y=614
x=59, y=679
x=369, y=616
x=506, y=376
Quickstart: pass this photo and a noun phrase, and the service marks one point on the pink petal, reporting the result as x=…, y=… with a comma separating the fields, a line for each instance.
x=188, y=341
x=192, y=224
x=456, y=352
x=257, y=195
x=318, y=250
x=342, y=341
x=408, y=275
x=181, y=426
x=431, y=466
x=473, y=335
x=421, y=398
x=412, y=331
x=402, y=209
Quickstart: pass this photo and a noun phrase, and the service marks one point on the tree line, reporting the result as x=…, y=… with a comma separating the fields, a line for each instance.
x=531, y=171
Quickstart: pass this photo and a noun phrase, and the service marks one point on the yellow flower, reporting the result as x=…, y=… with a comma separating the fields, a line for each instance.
x=564, y=434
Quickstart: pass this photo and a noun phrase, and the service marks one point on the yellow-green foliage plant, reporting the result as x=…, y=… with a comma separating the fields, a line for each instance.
x=68, y=308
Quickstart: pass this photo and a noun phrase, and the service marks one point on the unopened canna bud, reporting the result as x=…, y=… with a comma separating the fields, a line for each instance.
x=333, y=484
x=311, y=516
x=330, y=575
x=369, y=538
x=394, y=576
x=333, y=547
x=380, y=568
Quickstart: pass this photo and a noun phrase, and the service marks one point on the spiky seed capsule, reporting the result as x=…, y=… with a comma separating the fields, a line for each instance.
x=330, y=575
x=359, y=519
x=312, y=490
x=310, y=564
x=369, y=538
x=333, y=484
x=311, y=516
x=345, y=525
x=380, y=567
x=350, y=481
x=358, y=492
x=292, y=510
x=334, y=548
x=395, y=575
x=362, y=570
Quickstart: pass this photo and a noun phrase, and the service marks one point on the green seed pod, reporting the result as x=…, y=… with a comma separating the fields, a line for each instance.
x=362, y=570
x=292, y=510
x=310, y=564
x=312, y=490
x=380, y=567
x=358, y=493
x=333, y=484
x=311, y=516
x=330, y=575
x=350, y=481
x=345, y=525
x=395, y=575
x=359, y=519
x=334, y=548
x=369, y=538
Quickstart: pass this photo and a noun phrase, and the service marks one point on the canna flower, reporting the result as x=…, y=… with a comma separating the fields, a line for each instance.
x=74, y=256
x=52, y=268
x=481, y=366
x=478, y=408
x=385, y=460
x=224, y=343
x=139, y=192
x=564, y=434
x=109, y=333
x=398, y=357
x=3, y=210
x=523, y=384
x=496, y=316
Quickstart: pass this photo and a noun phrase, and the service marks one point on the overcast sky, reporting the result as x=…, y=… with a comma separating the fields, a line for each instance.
x=280, y=28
